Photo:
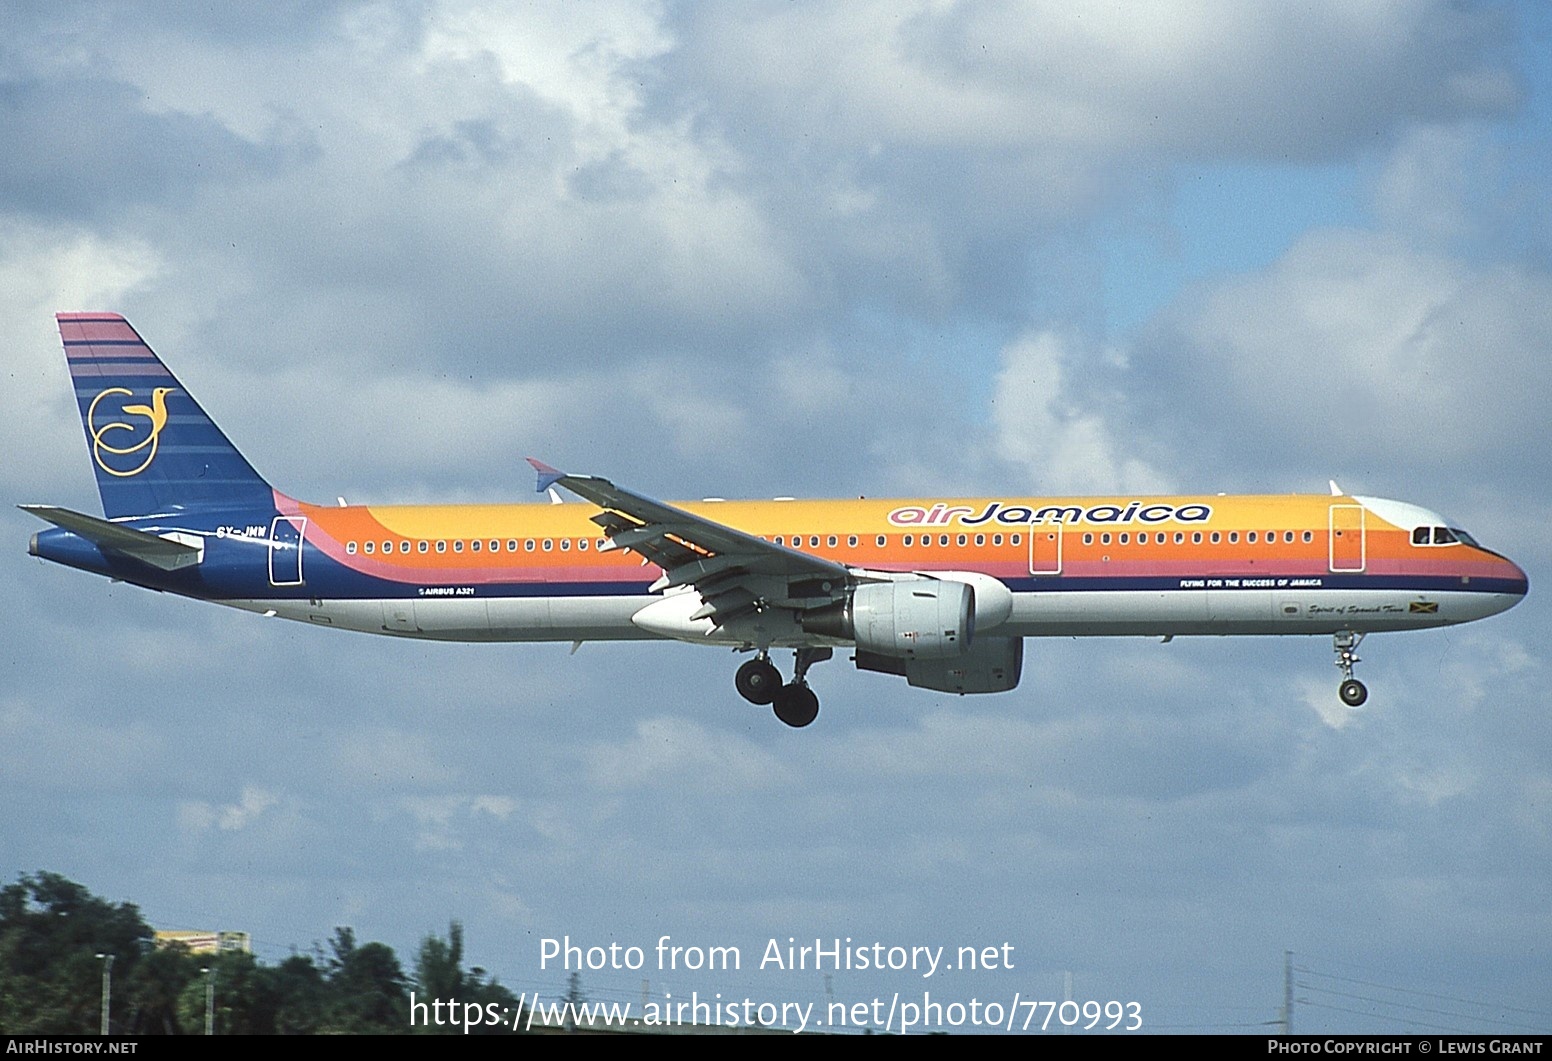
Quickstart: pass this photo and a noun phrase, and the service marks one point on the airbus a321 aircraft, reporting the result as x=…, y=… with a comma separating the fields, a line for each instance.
x=940, y=592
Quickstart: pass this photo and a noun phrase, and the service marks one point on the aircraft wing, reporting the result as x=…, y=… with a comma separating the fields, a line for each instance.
x=736, y=573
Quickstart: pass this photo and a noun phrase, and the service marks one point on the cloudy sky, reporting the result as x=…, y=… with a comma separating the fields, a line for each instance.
x=819, y=249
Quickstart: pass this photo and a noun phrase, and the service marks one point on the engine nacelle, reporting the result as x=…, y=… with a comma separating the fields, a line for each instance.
x=993, y=600
x=913, y=618
x=993, y=665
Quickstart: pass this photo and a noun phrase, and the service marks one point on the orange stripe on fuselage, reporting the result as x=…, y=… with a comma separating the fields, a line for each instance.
x=1387, y=549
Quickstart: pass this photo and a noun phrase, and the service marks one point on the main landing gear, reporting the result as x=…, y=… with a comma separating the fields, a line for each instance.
x=759, y=682
x=1345, y=644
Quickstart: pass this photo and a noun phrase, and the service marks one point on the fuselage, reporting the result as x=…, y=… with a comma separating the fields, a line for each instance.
x=1127, y=565
x=940, y=592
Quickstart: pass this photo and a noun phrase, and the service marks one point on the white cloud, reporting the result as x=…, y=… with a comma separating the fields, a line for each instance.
x=1357, y=354
x=1262, y=79
x=197, y=816
x=1047, y=429
x=669, y=752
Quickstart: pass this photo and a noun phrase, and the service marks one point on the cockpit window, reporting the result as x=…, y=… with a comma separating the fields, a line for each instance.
x=1442, y=536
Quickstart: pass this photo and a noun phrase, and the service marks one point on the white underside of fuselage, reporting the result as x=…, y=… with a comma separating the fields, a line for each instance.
x=1118, y=613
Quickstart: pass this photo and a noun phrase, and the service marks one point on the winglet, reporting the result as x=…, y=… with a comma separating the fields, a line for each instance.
x=548, y=476
x=1336, y=491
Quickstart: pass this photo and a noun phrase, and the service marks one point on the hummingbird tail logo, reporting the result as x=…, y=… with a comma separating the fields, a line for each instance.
x=114, y=445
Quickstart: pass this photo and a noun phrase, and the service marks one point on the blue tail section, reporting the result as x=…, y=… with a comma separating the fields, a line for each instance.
x=153, y=448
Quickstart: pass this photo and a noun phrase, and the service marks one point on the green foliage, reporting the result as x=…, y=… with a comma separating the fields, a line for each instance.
x=367, y=988
x=51, y=930
x=440, y=975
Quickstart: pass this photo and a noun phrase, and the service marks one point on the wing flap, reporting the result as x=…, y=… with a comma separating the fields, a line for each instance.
x=737, y=573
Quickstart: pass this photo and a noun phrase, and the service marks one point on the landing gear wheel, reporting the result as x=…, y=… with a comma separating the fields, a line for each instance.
x=1353, y=693
x=758, y=681
x=796, y=705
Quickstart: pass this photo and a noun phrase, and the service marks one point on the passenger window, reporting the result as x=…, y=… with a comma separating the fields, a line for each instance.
x=548, y=545
x=980, y=539
x=996, y=539
x=1233, y=537
x=1196, y=538
x=1309, y=536
x=371, y=547
x=582, y=544
x=851, y=541
x=511, y=545
x=404, y=546
x=1217, y=538
x=907, y=539
x=1251, y=537
x=565, y=545
x=881, y=541
x=422, y=546
x=1015, y=540
x=474, y=546
x=528, y=546
x=1088, y=539
x=962, y=539
x=831, y=541
x=351, y=548
x=1288, y=537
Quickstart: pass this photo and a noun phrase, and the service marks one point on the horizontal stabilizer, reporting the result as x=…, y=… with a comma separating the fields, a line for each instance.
x=150, y=549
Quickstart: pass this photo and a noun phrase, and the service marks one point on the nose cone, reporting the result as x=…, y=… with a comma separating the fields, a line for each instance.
x=1505, y=585
x=1515, y=579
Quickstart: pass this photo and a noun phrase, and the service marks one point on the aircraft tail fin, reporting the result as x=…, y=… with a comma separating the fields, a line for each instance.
x=153, y=448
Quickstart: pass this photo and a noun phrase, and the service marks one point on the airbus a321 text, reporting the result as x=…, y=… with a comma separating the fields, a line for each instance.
x=939, y=592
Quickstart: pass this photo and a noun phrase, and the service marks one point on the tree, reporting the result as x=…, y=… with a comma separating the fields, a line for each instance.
x=51, y=931
x=366, y=988
x=299, y=996
x=439, y=975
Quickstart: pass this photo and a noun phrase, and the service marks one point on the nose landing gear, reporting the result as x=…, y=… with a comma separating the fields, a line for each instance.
x=759, y=682
x=1345, y=644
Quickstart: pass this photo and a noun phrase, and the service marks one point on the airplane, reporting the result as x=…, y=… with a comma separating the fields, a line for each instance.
x=940, y=592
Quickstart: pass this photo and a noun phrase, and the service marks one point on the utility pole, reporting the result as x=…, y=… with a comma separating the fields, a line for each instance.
x=1287, y=1020
x=107, y=988
x=210, y=999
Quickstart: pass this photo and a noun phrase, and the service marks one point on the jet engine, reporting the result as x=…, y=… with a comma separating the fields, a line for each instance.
x=910, y=618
